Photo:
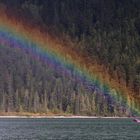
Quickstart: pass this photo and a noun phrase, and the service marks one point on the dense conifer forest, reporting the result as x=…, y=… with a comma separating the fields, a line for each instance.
x=106, y=31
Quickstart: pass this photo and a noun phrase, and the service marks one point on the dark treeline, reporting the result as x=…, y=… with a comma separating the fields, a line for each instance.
x=27, y=84
x=107, y=31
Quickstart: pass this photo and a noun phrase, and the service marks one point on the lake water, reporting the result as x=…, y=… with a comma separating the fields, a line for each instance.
x=69, y=129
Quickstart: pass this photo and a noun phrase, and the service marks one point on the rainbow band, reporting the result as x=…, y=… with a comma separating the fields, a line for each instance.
x=55, y=55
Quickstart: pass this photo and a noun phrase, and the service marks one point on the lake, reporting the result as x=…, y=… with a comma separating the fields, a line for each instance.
x=69, y=129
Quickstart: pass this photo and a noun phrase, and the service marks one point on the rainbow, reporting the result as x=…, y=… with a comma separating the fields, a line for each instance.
x=17, y=34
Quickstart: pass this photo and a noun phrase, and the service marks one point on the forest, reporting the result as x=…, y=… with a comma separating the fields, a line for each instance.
x=106, y=31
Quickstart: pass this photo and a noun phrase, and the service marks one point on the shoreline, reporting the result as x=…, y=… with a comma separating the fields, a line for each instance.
x=62, y=117
x=57, y=116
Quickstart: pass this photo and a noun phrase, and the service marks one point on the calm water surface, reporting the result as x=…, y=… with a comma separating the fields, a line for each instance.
x=69, y=129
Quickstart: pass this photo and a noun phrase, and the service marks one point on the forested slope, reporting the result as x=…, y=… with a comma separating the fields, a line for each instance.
x=107, y=31
x=28, y=85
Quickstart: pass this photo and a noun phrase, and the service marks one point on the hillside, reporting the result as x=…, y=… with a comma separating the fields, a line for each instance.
x=104, y=31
